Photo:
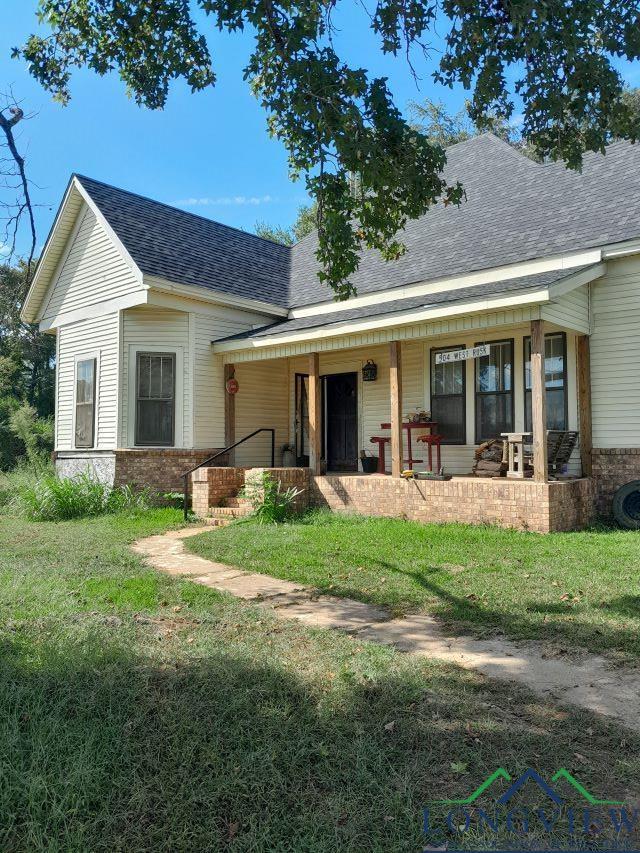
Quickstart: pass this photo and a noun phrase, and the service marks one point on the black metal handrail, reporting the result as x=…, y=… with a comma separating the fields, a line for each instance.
x=222, y=453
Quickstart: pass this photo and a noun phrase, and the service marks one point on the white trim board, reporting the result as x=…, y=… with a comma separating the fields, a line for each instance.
x=206, y=294
x=466, y=324
x=97, y=309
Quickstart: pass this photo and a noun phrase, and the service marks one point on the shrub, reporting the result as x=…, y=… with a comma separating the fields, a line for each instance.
x=271, y=505
x=35, y=433
x=22, y=477
x=52, y=498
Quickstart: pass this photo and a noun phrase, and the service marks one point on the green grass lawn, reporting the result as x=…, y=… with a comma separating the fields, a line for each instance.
x=140, y=712
x=576, y=590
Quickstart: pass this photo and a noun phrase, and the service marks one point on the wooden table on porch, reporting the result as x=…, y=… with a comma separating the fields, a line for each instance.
x=409, y=426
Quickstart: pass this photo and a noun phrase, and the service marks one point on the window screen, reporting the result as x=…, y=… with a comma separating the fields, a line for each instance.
x=155, y=399
x=555, y=369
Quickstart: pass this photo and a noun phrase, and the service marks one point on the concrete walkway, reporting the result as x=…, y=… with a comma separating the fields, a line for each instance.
x=591, y=683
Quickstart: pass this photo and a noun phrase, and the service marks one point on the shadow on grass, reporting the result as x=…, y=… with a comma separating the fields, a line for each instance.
x=466, y=612
x=105, y=749
x=626, y=605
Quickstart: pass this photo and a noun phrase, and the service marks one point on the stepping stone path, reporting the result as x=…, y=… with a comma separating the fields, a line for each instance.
x=591, y=683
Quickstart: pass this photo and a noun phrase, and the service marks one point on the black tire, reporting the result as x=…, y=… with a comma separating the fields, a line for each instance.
x=626, y=505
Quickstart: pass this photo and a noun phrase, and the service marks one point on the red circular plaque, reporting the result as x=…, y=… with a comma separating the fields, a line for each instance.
x=232, y=386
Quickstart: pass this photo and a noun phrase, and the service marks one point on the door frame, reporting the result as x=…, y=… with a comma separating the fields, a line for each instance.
x=324, y=419
x=298, y=379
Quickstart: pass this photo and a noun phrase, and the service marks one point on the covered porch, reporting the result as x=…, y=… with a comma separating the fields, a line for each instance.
x=328, y=393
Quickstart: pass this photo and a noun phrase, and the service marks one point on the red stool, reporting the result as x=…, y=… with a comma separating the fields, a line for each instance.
x=432, y=441
x=380, y=440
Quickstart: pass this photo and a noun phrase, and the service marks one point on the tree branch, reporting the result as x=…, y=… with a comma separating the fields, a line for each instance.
x=23, y=205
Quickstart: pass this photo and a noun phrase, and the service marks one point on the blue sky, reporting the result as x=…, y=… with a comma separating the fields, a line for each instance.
x=208, y=152
x=212, y=146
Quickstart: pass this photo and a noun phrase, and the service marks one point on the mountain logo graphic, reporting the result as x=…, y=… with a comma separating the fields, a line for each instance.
x=531, y=776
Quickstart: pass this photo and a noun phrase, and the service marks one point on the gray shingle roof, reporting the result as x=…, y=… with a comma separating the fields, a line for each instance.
x=515, y=210
x=480, y=292
x=189, y=249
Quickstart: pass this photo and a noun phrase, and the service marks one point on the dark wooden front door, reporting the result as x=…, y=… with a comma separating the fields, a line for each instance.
x=341, y=412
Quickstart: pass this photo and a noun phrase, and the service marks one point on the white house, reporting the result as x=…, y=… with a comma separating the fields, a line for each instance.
x=156, y=309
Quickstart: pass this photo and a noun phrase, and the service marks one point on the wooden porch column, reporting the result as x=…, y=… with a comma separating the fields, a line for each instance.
x=395, y=385
x=229, y=414
x=315, y=443
x=584, y=403
x=538, y=403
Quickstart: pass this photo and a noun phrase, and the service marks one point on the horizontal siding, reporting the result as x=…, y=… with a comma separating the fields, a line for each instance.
x=571, y=310
x=93, y=271
x=208, y=371
x=153, y=328
x=262, y=401
x=83, y=338
x=615, y=355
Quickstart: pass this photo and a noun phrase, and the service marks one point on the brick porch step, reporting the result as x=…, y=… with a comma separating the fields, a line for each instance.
x=230, y=511
x=220, y=516
x=237, y=502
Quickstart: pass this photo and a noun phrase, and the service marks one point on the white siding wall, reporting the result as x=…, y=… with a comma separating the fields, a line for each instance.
x=93, y=271
x=88, y=337
x=156, y=329
x=208, y=382
x=262, y=401
x=615, y=355
x=571, y=310
x=373, y=397
x=201, y=383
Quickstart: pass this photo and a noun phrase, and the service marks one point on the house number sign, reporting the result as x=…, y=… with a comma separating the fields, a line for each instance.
x=462, y=354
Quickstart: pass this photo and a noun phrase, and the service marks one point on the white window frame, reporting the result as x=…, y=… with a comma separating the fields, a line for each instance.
x=87, y=356
x=178, y=432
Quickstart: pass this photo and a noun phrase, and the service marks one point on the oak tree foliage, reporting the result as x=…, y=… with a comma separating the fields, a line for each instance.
x=336, y=119
x=306, y=222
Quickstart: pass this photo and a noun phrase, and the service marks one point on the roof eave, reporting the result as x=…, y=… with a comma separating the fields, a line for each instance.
x=206, y=294
x=383, y=321
x=539, y=296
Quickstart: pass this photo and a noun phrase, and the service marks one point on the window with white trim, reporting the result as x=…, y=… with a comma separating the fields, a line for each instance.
x=155, y=399
x=85, y=414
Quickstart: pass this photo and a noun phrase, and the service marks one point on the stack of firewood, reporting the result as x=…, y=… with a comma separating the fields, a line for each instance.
x=488, y=461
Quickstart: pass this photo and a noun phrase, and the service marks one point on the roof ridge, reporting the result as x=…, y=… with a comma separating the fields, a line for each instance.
x=507, y=146
x=175, y=209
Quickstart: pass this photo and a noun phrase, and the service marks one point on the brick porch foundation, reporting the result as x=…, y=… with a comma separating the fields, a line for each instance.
x=521, y=504
x=612, y=468
x=159, y=470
